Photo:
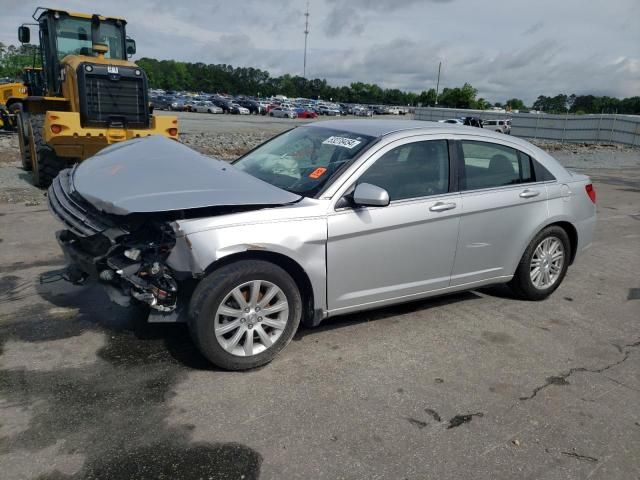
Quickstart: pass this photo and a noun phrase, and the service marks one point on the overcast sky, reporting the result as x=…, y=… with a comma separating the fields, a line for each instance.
x=504, y=48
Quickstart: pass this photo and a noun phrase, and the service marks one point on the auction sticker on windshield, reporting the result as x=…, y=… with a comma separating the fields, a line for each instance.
x=317, y=173
x=342, y=142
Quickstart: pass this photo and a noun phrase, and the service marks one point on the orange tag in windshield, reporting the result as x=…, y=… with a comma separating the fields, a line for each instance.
x=318, y=172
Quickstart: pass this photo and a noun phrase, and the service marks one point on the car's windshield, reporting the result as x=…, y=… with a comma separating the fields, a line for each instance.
x=303, y=159
x=73, y=37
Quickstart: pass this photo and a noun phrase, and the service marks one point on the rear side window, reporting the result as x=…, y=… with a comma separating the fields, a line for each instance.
x=414, y=170
x=488, y=165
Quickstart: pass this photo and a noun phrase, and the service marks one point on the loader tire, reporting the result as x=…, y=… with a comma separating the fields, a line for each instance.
x=22, y=124
x=45, y=163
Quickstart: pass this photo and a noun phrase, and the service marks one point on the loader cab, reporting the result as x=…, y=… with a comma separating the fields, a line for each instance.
x=63, y=33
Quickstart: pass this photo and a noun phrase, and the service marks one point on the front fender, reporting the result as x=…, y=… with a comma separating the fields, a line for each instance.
x=302, y=240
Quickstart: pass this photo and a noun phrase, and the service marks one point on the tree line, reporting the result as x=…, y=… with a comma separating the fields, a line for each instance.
x=223, y=78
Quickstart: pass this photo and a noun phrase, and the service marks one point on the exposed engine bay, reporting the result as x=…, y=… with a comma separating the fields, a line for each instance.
x=134, y=265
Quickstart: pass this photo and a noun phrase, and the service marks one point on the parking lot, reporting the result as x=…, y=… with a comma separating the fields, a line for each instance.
x=475, y=385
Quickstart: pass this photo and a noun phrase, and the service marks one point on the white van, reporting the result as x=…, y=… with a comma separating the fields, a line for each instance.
x=502, y=126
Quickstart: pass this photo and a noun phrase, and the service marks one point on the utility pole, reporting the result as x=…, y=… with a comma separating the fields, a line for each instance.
x=438, y=82
x=306, y=34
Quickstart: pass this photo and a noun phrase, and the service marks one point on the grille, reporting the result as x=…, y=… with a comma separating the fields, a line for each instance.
x=77, y=215
x=115, y=102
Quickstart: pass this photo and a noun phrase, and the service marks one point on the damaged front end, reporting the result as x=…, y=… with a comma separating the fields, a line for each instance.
x=122, y=207
x=127, y=254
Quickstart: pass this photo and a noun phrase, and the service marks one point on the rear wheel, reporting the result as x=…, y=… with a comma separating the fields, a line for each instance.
x=44, y=161
x=22, y=124
x=543, y=265
x=243, y=314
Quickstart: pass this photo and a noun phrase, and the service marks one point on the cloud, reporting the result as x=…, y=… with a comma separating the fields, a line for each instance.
x=536, y=27
x=503, y=48
x=350, y=16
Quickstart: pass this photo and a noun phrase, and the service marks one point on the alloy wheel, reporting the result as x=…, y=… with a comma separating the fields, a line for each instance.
x=251, y=318
x=546, y=263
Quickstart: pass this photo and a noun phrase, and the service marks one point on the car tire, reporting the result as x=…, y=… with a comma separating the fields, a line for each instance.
x=215, y=292
x=529, y=285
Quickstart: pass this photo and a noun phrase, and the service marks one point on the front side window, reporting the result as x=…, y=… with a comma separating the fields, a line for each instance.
x=73, y=37
x=413, y=170
x=489, y=165
x=303, y=160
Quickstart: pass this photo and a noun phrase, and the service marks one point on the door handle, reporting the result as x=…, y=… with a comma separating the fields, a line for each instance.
x=441, y=206
x=529, y=193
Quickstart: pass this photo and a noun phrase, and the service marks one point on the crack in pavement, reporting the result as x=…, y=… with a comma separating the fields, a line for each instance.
x=461, y=419
x=433, y=414
x=562, y=379
x=580, y=457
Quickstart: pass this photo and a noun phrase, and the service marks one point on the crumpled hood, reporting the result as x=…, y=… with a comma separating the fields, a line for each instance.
x=156, y=174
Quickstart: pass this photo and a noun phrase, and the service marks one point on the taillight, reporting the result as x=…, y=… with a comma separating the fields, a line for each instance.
x=173, y=131
x=56, y=129
x=591, y=192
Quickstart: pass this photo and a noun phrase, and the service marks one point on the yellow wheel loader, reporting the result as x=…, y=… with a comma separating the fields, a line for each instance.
x=92, y=97
x=13, y=90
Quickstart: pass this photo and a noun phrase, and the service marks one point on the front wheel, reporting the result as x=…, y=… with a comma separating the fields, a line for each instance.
x=543, y=265
x=243, y=314
x=45, y=164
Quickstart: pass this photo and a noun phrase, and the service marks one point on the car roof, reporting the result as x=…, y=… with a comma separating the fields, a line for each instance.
x=381, y=128
x=372, y=128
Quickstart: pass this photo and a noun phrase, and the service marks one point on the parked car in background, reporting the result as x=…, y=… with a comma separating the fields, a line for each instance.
x=162, y=103
x=472, y=121
x=206, y=107
x=178, y=105
x=325, y=219
x=251, y=105
x=361, y=111
x=502, y=126
x=455, y=121
x=225, y=105
x=264, y=107
x=237, y=109
x=329, y=110
x=305, y=113
x=231, y=107
x=281, y=112
x=188, y=105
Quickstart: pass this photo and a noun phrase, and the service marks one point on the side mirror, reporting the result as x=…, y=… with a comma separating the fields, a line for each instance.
x=368, y=195
x=24, y=34
x=131, y=47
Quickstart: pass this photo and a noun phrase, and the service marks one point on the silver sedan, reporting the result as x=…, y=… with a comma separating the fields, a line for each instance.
x=205, y=107
x=283, y=113
x=325, y=219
